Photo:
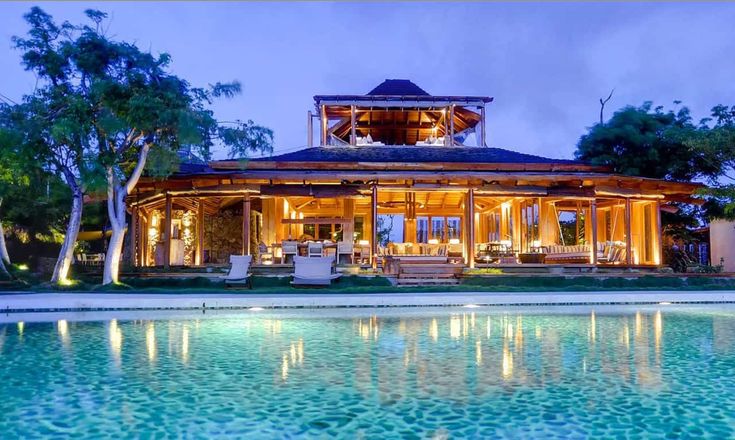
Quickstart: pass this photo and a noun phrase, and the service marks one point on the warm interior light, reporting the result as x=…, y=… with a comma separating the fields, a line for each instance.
x=536, y=243
x=364, y=243
x=454, y=241
x=433, y=241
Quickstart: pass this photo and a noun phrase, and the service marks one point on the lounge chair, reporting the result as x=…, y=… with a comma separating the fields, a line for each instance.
x=239, y=271
x=313, y=271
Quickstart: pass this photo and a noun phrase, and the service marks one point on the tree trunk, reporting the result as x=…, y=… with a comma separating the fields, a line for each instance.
x=116, y=193
x=66, y=255
x=4, y=256
x=114, y=251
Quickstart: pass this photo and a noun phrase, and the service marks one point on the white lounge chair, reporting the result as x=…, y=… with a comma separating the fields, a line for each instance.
x=239, y=271
x=315, y=271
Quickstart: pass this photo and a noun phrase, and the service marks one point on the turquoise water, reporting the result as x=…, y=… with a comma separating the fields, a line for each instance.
x=427, y=373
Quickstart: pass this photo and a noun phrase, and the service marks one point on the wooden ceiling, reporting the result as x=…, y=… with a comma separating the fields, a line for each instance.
x=400, y=126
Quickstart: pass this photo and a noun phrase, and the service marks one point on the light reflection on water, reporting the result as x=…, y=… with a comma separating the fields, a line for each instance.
x=446, y=372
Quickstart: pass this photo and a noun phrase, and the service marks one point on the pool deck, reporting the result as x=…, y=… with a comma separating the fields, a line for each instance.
x=58, y=302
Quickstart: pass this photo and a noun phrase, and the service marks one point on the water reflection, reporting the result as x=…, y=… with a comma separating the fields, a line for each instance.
x=63, y=328
x=150, y=341
x=399, y=354
x=21, y=327
x=115, y=337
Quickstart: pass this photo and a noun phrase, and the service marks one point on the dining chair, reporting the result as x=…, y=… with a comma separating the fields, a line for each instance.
x=346, y=248
x=314, y=249
x=289, y=248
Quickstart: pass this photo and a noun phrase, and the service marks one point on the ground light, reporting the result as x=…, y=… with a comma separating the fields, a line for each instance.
x=22, y=267
x=471, y=306
x=255, y=309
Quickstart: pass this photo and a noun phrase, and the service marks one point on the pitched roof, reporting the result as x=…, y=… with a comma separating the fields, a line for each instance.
x=399, y=90
x=411, y=154
x=397, y=87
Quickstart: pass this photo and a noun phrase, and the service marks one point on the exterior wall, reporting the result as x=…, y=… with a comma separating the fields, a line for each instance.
x=722, y=238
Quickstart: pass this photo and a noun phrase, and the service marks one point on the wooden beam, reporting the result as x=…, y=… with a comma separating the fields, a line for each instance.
x=323, y=124
x=628, y=236
x=659, y=234
x=246, y=225
x=132, y=233
x=310, y=129
x=374, y=228
x=451, y=125
x=483, y=127
x=199, y=259
x=593, y=222
x=316, y=221
x=353, y=133
x=470, y=221
x=167, y=234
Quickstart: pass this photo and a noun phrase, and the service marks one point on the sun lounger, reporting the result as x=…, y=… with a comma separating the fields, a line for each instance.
x=315, y=271
x=239, y=271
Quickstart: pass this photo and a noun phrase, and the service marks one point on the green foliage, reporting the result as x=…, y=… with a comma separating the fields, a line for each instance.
x=109, y=99
x=646, y=141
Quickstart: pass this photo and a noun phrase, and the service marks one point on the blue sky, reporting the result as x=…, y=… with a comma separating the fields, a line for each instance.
x=546, y=64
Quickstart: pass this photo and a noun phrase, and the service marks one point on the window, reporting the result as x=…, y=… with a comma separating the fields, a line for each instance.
x=454, y=227
x=422, y=229
x=437, y=228
x=359, y=228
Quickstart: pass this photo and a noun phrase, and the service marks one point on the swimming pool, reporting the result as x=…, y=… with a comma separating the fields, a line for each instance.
x=383, y=373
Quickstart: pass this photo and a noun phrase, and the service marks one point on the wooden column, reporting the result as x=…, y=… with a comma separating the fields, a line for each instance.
x=483, y=126
x=446, y=127
x=310, y=129
x=353, y=125
x=323, y=123
x=593, y=222
x=132, y=235
x=628, y=234
x=167, y=233
x=348, y=213
x=659, y=235
x=470, y=226
x=144, y=240
x=199, y=259
x=374, y=227
x=246, y=225
x=451, y=125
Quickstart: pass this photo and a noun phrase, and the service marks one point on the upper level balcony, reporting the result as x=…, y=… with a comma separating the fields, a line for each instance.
x=398, y=112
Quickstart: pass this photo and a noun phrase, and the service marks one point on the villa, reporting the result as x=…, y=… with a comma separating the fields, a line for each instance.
x=399, y=174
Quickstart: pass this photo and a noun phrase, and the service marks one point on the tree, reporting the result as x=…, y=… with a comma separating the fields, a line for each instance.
x=31, y=203
x=128, y=108
x=649, y=142
x=715, y=139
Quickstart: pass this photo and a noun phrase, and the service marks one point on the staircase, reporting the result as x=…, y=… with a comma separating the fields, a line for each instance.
x=428, y=273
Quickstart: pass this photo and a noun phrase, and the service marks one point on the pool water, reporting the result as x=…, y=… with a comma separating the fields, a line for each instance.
x=426, y=373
